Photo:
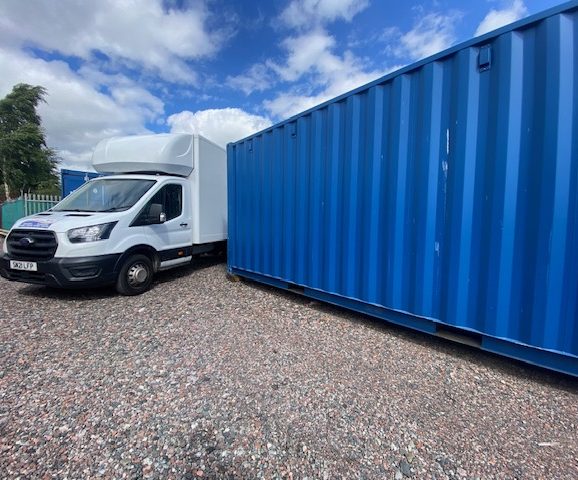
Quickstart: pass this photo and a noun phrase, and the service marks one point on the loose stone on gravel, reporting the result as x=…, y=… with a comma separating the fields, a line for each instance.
x=405, y=468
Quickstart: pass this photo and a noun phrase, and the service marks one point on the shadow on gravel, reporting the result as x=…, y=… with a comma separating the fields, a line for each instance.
x=465, y=353
x=72, y=295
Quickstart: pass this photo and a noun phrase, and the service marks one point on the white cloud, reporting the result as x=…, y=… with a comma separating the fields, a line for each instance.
x=309, y=58
x=306, y=13
x=324, y=74
x=328, y=75
x=308, y=52
x=139, y=32
x=498, y=18
x=218, y=125
x=77, y=114
x=431, y=34
x=291, y=103
x=126, y=92
x=257, y=79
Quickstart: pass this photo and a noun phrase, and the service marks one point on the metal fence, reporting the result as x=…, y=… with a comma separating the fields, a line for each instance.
x=34, y=203
x=29, y=204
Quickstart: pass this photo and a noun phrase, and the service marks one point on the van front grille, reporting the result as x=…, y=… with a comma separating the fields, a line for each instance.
x=31, y=244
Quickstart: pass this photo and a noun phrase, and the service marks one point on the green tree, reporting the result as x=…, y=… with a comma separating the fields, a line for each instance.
x=26, y=162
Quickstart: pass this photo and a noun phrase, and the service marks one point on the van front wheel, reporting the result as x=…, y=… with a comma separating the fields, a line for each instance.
x=135, y=276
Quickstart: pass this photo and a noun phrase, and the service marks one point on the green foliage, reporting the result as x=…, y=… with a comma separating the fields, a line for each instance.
x=26, y=162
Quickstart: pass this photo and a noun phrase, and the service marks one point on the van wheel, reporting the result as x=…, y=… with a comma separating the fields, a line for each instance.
x=135, y=276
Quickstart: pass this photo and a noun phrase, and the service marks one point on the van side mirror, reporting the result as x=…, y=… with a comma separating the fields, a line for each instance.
x=156, y=214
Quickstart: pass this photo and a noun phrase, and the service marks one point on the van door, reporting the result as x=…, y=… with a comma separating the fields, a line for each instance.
x=173, y=239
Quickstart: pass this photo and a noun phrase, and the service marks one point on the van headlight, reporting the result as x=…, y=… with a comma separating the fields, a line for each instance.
x=90, y=234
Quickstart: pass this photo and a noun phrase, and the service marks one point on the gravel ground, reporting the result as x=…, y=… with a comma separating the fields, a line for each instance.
x=203, y=377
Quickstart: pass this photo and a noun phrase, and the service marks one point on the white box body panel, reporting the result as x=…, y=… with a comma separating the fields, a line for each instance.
x=209, y=187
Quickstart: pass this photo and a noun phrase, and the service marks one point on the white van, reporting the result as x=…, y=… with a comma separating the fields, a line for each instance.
x=165, y=203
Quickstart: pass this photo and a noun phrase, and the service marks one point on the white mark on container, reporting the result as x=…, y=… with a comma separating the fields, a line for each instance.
x=448, y=141
x=445, y=167
x=437, y=248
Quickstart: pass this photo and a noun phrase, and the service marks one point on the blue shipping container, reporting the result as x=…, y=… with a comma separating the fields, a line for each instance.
x=442, y=197
x=70, y=180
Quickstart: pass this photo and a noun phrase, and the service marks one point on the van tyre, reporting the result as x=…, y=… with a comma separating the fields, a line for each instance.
x=135, y=276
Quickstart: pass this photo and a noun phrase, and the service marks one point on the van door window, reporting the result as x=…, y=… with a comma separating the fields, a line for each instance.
x=173, y=201
x=170, y=197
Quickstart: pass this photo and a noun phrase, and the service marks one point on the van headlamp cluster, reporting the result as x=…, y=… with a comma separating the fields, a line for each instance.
x=90, y=234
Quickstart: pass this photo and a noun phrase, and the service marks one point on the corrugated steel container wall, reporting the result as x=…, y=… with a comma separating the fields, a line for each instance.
x=447, y=191
x=70, y=180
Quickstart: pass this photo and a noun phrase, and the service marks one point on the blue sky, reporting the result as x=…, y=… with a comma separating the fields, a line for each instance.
x=220, y=68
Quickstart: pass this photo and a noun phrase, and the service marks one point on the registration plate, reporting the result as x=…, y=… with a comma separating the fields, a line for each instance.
x=27, y=266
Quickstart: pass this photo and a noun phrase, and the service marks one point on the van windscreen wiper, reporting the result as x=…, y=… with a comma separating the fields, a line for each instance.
x=74, y=210
x=117, y=209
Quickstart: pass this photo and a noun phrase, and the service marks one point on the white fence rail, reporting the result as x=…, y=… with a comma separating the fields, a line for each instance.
x=35, y=203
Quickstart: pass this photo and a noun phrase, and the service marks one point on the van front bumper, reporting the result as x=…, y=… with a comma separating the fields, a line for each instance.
x=65, y=272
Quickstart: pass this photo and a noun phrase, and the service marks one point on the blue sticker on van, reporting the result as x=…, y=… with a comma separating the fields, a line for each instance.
x=35, y=223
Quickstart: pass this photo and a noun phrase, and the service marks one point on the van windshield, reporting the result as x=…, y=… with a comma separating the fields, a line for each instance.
x=105, y=195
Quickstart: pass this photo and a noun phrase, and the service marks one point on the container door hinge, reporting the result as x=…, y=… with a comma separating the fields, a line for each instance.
x=485, y=58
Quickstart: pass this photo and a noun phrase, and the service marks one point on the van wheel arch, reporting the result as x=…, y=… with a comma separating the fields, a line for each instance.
x=146, y=250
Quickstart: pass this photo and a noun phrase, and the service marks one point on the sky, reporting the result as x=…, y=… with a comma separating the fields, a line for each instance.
x=220, y=68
